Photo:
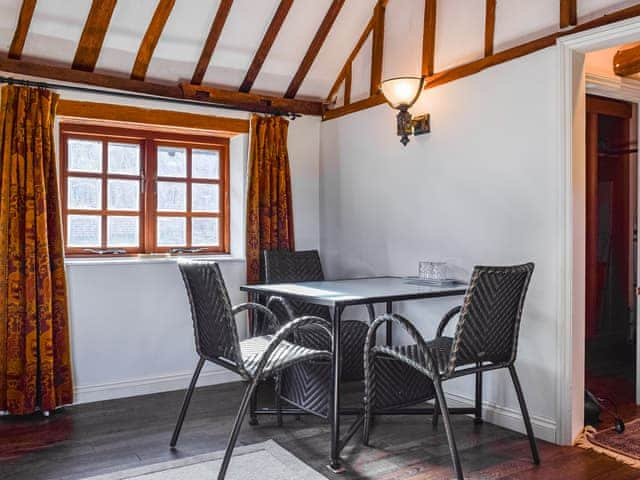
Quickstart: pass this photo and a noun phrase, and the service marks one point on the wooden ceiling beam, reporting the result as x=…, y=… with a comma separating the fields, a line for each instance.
x=627, y=62
x=151, y=37
x=476, y=66
x=212, y=40
x=568, y=13
x=22, y=28
x=251, y=101
x=347, y=64
x=347, y=86
x=95, y=29
x=266, y=44
x=489, y=27
x=231, y=98
x=314, y=48
x=377, y=48
x=429, y=37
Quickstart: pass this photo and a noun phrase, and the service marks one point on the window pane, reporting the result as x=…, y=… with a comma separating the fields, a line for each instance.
x=84, y=156
x=124, y=158
x=172, y=162
x=84, y=193
x=123, y=195
x=84, y=230
x=172, y=196
x=172, y=231
x=122, y=231
x=205, y=197
x=204, y=232
x=205, y=164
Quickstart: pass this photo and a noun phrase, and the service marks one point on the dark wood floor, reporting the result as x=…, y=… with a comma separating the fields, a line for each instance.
x=108, y=436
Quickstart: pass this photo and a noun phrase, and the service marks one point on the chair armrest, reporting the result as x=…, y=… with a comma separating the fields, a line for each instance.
x=372, y=313
x=446, y=319
x=284, y=333
x=285, y=305
x=260, y=308
x=408, y=327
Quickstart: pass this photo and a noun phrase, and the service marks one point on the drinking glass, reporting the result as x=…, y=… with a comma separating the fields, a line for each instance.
x=435, y=271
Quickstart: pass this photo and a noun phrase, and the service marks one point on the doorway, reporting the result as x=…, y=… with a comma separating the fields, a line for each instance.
x=611, y=245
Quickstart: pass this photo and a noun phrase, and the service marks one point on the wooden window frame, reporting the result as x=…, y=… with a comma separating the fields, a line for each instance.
x=149, y=140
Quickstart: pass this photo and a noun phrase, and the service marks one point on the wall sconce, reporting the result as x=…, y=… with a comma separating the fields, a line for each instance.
x=401, y=93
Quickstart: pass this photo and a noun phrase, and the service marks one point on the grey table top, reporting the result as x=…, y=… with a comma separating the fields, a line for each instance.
x=356, y=291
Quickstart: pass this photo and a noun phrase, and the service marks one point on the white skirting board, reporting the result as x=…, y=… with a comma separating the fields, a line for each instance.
x=544, y=428
x=145, y=386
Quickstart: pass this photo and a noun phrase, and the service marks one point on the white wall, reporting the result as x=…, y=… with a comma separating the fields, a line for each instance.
x=480, y=189
x=131, y=330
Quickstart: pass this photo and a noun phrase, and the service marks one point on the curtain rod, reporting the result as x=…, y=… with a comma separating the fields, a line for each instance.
x=117, y=93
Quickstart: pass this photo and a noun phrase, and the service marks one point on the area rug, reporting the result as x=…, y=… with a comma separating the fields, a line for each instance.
x=262, y=461
x=624, y=447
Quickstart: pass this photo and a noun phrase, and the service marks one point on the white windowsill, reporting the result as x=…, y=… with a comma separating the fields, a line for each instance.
x=147, y=259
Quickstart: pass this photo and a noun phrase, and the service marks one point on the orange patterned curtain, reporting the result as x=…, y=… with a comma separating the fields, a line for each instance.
x=269, y=211
x=35, y=366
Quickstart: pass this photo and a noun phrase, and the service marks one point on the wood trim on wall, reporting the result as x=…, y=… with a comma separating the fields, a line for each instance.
x=122, y=113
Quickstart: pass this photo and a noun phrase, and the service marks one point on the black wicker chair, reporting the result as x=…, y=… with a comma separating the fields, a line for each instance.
x=217, y=341
x=306, y=384
x=486, y=338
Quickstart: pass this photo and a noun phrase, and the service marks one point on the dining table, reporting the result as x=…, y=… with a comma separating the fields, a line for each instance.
x=339, y=294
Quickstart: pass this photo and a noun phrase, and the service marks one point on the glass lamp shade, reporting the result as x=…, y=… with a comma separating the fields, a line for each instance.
x=402, y=92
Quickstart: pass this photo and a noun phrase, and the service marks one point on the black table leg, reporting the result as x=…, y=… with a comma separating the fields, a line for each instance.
x=336, y=363
x=389, y=326
x=253, y=328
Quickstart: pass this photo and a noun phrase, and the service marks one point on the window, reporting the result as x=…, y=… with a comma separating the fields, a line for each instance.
x=129, y=191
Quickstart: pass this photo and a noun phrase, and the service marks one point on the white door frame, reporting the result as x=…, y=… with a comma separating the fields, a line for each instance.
x=570, y=306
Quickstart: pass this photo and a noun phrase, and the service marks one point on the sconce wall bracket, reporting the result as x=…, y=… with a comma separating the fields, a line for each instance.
x=411, y=126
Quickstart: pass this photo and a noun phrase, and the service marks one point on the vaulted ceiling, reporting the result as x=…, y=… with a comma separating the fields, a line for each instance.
x=272, y=53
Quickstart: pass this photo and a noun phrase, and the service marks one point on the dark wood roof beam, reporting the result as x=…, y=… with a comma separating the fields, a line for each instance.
x=211, y=42
x=489, y=27
x=568, y=13
x=266, y=44
x=429, y=37
x=627, y=62
x=377, y=48
x=314, y=48
x=92, y=38
x=22, y=28
x=347, y=64
x=151, y=37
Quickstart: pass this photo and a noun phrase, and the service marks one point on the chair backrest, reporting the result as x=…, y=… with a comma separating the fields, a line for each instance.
x=489, y=322
x=214, y=327
x=283, y=266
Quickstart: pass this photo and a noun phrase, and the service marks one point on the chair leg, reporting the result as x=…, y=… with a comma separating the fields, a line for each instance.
x=436, y=412
x=242, y=411
x=525, y=415
x=278, y=400
x=253, y=405
x=453, y=449
x=478, y=415
x=369, y=380
x=185, y=403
